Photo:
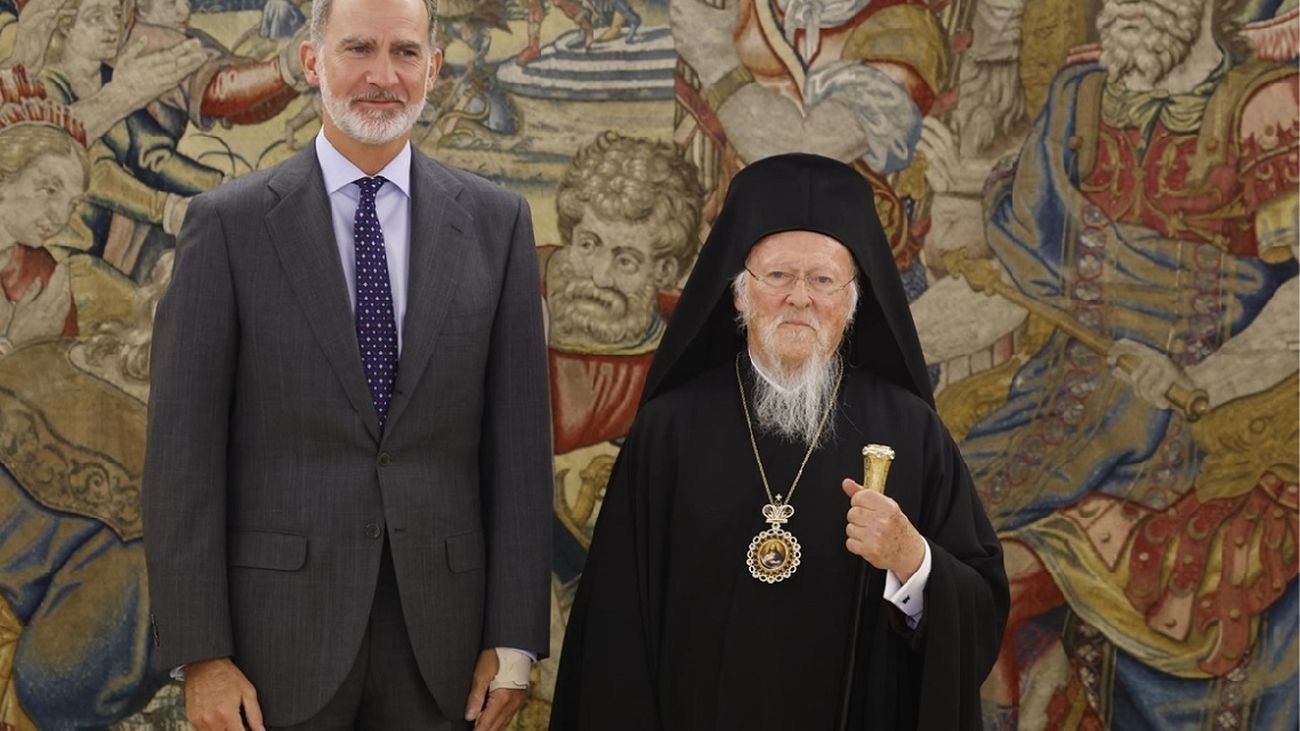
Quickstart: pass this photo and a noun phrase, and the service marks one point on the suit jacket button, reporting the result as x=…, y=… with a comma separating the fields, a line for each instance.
x=373, y=531
x=384, y=459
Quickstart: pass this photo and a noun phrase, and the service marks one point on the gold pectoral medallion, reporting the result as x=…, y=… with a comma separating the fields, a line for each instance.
x=774, y=553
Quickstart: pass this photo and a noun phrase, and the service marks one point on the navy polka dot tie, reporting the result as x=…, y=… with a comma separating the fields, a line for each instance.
x=376, y=326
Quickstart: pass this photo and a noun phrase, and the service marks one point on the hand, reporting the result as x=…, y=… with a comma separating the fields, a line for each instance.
x=36, y=24
x=215, y=694
x=148, y=73
x=144, y=73
x=42, y=311
x=491, y=710
x=139, y=77
x=1147, y=370
x=879, y=532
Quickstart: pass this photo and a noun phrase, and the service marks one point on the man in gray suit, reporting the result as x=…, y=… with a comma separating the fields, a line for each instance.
x=347, y=487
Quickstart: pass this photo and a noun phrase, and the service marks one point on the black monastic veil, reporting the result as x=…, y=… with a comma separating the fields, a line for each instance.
x=668, y=629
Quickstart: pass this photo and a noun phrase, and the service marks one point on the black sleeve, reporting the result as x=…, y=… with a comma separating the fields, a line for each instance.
x=608, y=667
x=966, y=600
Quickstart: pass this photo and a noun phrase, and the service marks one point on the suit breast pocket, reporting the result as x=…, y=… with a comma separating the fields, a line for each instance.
x=270, y=550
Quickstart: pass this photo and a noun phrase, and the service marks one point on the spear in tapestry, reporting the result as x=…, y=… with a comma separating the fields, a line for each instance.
x=983, y=277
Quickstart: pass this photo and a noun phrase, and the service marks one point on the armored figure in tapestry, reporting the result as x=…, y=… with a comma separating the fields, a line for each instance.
x=1137, y=452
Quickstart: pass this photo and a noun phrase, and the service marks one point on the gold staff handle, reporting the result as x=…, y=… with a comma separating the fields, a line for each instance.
x=876, y=459
x=983, y=277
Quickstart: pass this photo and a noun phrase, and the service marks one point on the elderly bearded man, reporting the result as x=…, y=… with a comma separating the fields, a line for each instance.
x=672, y=627
x=347, y=493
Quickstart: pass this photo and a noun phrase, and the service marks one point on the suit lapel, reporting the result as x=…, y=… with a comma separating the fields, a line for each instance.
x=301, y=229
x=439, y=240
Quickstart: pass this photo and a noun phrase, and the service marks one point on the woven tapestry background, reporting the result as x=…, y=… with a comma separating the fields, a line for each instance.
x=1093, y=205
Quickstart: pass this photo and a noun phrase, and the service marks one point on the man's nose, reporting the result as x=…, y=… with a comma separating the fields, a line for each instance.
x=801, y=294
x=382, y=71
x=601, y=271
x=55, y=208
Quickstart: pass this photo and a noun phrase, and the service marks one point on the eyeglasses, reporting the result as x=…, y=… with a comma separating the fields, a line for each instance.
x=819, y=284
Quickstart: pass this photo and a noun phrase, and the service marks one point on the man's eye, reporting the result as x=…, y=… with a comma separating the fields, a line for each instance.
x=822, y=280
x=778, y=277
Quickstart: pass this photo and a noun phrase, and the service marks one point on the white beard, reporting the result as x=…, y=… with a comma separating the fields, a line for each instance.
x=793, y=405
x=1172, y=27
x=373, y=127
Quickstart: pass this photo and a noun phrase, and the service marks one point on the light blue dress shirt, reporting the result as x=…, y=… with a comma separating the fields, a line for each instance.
x=392, y=205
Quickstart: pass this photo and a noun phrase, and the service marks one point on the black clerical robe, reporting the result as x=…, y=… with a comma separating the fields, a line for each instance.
x=670, y=631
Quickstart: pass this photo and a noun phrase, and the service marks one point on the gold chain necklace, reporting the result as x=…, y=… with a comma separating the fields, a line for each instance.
x=774, y=553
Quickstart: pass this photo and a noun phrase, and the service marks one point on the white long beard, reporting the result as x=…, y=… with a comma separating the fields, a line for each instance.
x=1173, y=26
x=373, y=127
x=794, y=406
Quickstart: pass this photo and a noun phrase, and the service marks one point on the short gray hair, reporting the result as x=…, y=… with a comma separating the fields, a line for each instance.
x=320, y=13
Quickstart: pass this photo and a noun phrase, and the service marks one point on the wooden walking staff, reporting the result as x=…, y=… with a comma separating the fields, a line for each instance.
x=876, y=459
x=982, y=277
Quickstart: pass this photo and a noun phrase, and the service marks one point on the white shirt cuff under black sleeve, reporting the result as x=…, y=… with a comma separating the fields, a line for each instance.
x=909, y=597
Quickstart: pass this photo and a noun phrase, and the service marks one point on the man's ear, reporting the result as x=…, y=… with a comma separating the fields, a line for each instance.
x=666, y=273
x=435, y=66
x=307, y=55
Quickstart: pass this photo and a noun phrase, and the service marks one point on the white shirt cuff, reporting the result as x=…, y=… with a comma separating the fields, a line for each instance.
x=909, y=597
x=512, y=669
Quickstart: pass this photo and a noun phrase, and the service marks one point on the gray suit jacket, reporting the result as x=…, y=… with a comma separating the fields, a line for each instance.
x=268, y=487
